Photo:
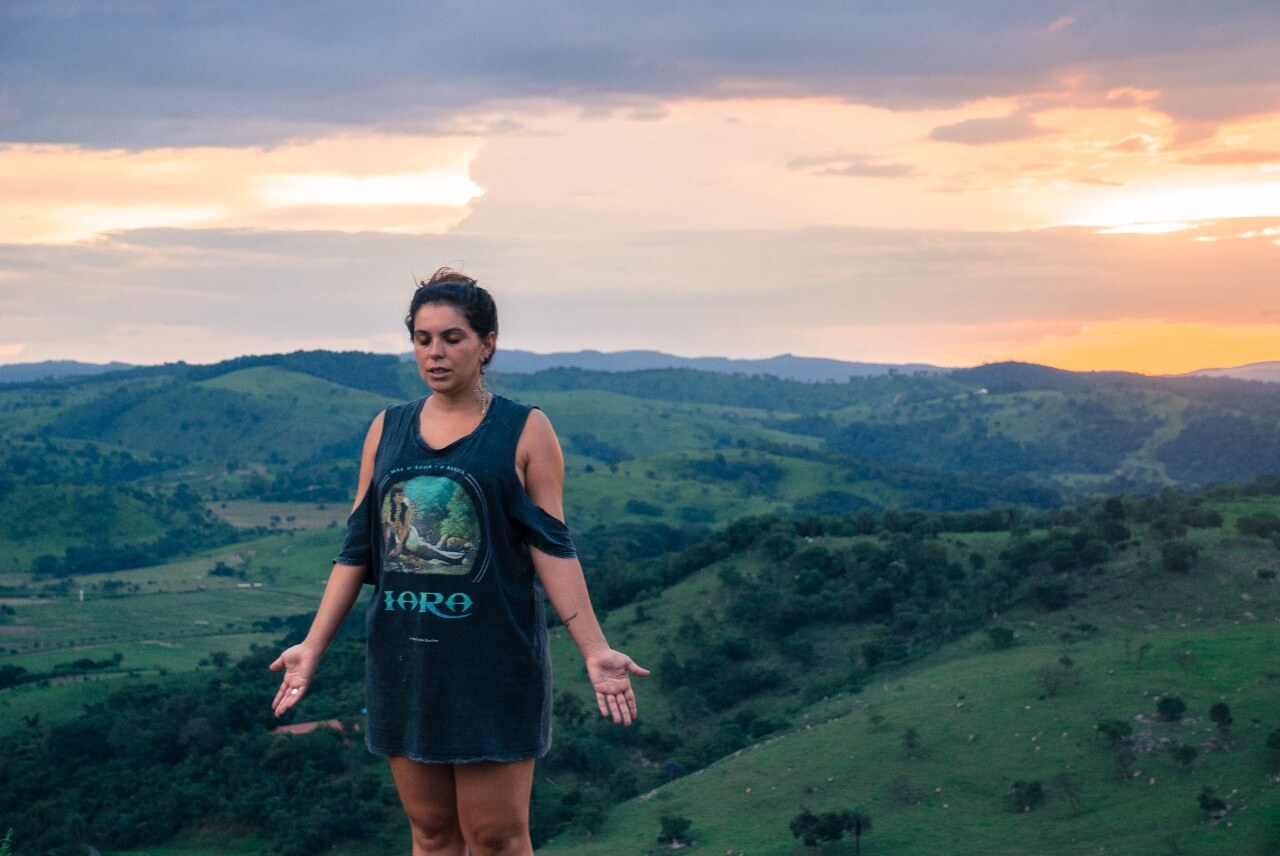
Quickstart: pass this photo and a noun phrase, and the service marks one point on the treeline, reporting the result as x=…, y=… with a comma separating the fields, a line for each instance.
x=157, y=758
x=616, y=581
x=188, y=527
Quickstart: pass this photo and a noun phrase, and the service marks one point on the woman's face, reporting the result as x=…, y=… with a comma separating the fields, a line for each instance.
x=447, y=350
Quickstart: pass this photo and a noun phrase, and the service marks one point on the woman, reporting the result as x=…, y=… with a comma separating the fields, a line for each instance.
x=457, y=667
x=395, y=522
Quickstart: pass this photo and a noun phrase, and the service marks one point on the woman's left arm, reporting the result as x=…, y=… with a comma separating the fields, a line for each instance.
x=541, y=466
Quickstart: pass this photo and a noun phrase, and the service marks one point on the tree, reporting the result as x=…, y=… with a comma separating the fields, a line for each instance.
x=1178, y=556
x=1183, y=754
x=1211, y=804
x=1054, y=676
x=675, y=829
x=1221, y=716
x=1171, y=708
x=813, y=829
x=805, y=827
x=1026, y=795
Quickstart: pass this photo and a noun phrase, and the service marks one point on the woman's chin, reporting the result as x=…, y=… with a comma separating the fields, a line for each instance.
x=446, y=385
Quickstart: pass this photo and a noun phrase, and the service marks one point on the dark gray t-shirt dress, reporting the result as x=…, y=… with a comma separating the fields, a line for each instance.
x=457, y=665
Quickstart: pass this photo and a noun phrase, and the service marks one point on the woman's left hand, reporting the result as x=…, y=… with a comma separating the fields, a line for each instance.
x=610, y=673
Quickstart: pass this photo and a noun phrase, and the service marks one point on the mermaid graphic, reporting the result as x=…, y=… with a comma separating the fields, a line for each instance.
x=429, y=526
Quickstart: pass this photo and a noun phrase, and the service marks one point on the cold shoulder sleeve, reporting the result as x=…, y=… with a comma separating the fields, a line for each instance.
x=357, y=542
x=542, y=530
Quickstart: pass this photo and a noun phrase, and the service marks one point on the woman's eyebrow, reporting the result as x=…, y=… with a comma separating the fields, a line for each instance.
x=417, y=330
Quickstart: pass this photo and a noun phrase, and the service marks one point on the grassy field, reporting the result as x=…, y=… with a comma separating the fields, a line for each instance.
x=249, y=514
x=167, y=618
x=1134, y=632
x=983, y=722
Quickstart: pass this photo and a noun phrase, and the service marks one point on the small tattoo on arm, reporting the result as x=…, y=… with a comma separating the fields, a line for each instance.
x=569, y=619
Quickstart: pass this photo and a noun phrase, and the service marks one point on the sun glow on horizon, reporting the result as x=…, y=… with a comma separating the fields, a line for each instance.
x=1152, y=347
x=1144, y=346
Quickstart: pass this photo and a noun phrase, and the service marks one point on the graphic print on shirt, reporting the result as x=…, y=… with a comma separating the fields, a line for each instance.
x=430, y=526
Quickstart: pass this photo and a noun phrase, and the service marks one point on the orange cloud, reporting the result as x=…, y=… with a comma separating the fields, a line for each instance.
x=64, y=194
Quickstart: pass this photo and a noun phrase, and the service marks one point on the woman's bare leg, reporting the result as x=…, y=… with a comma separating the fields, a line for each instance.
x=430, y=800
x=493, y=806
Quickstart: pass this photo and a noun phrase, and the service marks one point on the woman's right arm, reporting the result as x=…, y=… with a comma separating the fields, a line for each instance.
x=340, y=593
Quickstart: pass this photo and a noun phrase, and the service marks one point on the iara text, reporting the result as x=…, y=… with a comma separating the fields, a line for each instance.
x=456, y=605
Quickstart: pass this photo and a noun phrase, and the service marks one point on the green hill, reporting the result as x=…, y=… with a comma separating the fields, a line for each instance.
x=811, y=569
x=289, y=426
x=790, y=657
x=819, y=729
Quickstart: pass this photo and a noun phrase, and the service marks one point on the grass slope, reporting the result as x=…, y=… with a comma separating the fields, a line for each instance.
x=983, y=723
x=1133, y=632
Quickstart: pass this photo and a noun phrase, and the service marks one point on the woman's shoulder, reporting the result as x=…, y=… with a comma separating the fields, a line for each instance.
x=396, y=410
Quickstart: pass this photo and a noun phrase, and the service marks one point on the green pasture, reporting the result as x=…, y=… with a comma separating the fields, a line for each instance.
x=166, y=618
x=641, y=427
x=62, y=697
x=983, y=722
x=282, y=575
x=250, y=514
x=662, y=480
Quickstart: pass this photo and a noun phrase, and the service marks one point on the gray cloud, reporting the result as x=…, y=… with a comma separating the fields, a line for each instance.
x=739, y=293
x=854, y=165
x=113, y=72
x=983, y=132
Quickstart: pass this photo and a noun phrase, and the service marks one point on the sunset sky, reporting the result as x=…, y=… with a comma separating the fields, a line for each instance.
x=1090, y=185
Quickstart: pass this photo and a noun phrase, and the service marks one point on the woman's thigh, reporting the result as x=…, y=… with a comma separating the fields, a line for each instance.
x=493, y=805
x=429, y=797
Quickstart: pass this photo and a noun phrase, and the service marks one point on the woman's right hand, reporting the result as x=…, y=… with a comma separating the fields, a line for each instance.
x=299, y=664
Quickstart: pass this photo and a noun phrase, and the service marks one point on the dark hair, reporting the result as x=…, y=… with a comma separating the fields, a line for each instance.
x=457, y=289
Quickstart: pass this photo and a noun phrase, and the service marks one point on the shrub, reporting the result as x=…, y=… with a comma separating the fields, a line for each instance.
x=1171, y=708
x=1220, y=713
x=1026, y=795
x=675, y=829
x=1051, y=595
x=1183, y=754
x=1114, y=731
x=1210, y=803
x=1178, y=556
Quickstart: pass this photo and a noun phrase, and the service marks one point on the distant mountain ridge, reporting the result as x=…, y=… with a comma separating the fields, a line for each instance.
x=55, y=369
x=518, y=362
x=784, y=366
x=1268, y=372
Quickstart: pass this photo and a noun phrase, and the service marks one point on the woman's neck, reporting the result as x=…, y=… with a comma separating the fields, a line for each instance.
x=475, y=399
